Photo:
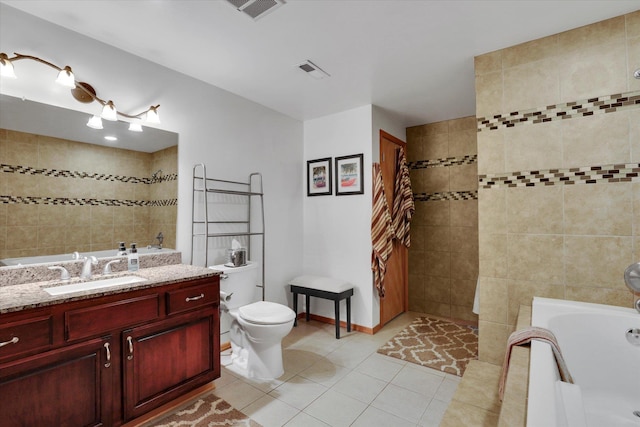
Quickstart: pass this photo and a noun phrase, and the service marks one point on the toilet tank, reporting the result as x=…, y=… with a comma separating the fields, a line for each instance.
x=241, y=283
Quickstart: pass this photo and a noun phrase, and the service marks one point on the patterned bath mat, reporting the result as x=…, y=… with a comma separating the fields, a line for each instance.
x=435, y=343
x=206, y=411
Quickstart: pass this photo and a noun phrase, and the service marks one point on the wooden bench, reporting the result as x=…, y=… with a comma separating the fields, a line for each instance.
x=322, y=287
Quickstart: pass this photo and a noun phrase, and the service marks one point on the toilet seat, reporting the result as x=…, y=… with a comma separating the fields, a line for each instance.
x=266, y=313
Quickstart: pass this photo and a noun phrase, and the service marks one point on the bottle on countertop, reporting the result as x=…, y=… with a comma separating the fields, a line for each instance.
x=133, y=258
x=122, y=250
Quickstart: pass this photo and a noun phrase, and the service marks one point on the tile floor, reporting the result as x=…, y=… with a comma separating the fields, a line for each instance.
x=329, y=382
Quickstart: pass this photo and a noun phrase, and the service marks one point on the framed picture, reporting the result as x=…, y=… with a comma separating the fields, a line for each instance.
x=349, y=175
x=319, y=177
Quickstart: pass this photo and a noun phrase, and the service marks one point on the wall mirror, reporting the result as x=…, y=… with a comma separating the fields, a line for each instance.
x=64, y=188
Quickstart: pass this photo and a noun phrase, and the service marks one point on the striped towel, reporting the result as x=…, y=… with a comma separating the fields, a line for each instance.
x=403, y=206
x=524, y=336
x=381, y=231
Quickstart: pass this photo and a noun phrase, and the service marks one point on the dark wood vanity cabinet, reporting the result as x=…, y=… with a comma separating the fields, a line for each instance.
x=107, y=360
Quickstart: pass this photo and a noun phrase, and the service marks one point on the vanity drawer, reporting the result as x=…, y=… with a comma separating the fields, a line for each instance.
x=26, y=335
x=192, y=297
x=99, y=319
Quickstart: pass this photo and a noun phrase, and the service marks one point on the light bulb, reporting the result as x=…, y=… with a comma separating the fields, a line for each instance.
x=135, y=127
x=95, y=122
x=109, y=112
x=66, y=78
x=6, y=67
x=152, y=116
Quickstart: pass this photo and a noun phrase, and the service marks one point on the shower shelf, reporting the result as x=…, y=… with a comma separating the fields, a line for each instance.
x=253, y=191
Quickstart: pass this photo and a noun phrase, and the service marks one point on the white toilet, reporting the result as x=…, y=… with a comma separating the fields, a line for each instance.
x=256, y=329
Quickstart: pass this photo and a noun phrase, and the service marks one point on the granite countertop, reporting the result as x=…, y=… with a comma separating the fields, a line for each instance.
x=31, y=295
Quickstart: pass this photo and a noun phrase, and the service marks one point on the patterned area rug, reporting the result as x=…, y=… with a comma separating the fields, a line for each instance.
x=435, y=343
x=206, y=411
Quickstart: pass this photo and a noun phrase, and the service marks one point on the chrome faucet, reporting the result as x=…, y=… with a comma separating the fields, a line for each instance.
x=160, y=239
x=632, y=279
x=86, y=267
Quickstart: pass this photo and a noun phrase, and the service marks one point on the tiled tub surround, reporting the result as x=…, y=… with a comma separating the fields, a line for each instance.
x=559, y=196
x=60, y=196
x=30, y=295
x=19, y=275
x=443, y=258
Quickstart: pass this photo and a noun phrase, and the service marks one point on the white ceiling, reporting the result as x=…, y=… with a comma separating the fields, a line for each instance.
x=413, y=58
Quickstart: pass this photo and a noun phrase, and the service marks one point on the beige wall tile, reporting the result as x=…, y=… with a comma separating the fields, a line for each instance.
x=462, y=124
x=596, y=140
x=531, y=51
x=53, y=156
x=51, y=235
x=436, y=180
x=488, y=63
x=77, y=236
x=417, y=237
x=416, y=262
x=598, y=209
x=492, y=210
x=434, y=213
x=465, y=239
x=437, y=238
x=437, y=264
x=617, y=297
x=633, y=24
x=531, y=85
x=463, y=178
x=53, y=215
x=435, y=146
x=493, y=255
x=493, y=300
x=535, y=210
x=431, y=129
x=463, y=292
x=533, y=147
x=416, y=287
x=463, y=312
x=491, y=152
x=536, y=258
x=3, y=214
x=492, y=341
x=522, y=293
x=22, y=237
x=417, y=177
x=594, y=71
x=464, y=213
x=463, y=143
x=464, y=265
x=437, y=289
x=102, y=234
x=597, y=261
x=634, y=134
x=489, y=94
x=635, y=188
x=585, y=37
x=414, y=149
x=22, y=215
x=102, y=215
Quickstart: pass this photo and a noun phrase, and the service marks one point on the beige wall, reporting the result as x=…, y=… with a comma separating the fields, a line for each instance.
x=443, y=258
x=558, y=163
x=60, y=196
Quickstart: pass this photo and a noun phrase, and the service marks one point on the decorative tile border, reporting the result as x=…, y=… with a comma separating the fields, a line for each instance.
x=569, y=110
x=66, y=201
x=28, y=170
x=449, y=195
x=629, y=172
x=445, y=162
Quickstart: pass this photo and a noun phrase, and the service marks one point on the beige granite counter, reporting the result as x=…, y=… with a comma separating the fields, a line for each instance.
x=31, y=295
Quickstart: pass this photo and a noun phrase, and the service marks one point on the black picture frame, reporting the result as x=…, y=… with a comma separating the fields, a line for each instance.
x=319, y=177
x=349, y=175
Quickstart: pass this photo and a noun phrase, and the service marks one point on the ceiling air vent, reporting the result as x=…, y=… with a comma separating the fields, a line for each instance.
x=256, y=8
x=313, y=70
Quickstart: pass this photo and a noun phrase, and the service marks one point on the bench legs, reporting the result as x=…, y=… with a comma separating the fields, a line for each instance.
x=308, y=293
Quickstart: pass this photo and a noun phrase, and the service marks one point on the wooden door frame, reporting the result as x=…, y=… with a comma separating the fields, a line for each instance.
x=405, y=284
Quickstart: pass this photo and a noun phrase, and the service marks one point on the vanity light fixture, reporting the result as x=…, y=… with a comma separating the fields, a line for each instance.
x=135, y=127
x=110, y=138
x=81, y=91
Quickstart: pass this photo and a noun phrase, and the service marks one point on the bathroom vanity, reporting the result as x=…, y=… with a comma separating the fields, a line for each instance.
x=107, y=356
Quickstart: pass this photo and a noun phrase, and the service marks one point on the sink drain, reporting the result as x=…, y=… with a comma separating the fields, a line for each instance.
x=636, y=413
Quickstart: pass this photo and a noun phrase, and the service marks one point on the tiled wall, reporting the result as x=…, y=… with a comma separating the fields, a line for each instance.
x=443, y=258
x=559, y=164
x=60, y=196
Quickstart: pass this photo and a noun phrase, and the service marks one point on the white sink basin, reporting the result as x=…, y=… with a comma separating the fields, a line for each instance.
x=96, y=284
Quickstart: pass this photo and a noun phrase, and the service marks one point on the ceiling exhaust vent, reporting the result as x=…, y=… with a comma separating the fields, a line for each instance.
x=256, y=9
x=313, y=70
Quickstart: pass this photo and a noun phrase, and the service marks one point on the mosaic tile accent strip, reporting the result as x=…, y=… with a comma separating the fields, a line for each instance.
x=585, y=175
x=446, y=162
x=450, y=195
x=568, y=110
x=28, y=170
x=65, y=201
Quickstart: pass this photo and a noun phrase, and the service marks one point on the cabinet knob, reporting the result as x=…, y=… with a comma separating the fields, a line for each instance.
x=107, y=347
x=11, y=341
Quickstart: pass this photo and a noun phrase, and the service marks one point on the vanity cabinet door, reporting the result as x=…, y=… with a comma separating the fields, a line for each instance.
x=166, y=359
x=71, y=386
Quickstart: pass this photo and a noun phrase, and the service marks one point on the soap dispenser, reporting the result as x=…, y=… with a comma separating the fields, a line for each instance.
x=133, y=258
x=122, y=250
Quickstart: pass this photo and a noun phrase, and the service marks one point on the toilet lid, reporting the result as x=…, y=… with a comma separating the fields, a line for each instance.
x=266, y=313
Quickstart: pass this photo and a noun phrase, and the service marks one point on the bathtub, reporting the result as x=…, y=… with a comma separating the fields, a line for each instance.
x=605, y=367
x=69, y=257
